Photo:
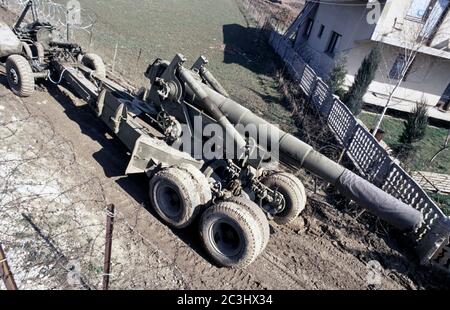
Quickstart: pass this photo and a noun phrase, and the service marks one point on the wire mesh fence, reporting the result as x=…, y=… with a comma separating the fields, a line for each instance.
x=120, y=55
x=52, y=226
x=53, y=213
x=66, y=18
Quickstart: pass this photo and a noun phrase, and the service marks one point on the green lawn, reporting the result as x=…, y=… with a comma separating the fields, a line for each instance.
x=426, y=148
x=214, y=28
x=443, y=201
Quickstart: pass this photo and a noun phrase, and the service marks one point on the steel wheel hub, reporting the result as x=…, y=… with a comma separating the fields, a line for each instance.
x=14, y=76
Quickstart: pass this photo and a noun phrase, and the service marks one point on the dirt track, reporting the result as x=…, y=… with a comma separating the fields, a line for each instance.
x=61, y=149
x=324, y=250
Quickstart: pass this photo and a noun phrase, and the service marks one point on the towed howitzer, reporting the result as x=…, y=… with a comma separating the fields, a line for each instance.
x=292, y=151
x=235, y=192
x=30, y=51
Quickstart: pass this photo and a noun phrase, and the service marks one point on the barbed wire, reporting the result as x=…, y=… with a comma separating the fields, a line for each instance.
x=53, y=213
x=57, y=14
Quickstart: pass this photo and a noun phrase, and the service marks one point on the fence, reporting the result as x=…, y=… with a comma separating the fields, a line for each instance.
x=369, y=157
x=77, y=21
x=53, y=212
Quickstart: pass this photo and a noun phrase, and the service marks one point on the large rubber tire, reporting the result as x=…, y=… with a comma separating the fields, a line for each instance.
x=293, y=192
x=231, y=235
x=177, y=194
x=258, y=214
x=95, y=62
x=20, y=76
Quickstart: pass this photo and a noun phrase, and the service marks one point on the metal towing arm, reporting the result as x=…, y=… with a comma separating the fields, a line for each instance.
x=126, y=115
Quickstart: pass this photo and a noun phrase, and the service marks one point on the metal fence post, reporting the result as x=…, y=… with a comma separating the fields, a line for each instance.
x=114, y=57
x=5, y=272
x=108, y=246
x=313, y=88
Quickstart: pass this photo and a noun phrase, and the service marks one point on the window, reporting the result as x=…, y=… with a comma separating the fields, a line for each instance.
x=308, y=28
x=434, y=17
x=419, y=9
x=334, y=40
x=322, y=28
x=398, y=68
x=444, y=102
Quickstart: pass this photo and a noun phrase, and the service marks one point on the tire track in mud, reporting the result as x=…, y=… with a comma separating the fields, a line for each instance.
x=270, y=271
x=191, y=269
x=194, y=271
x=308, y=258
x=180, y=251
x=329, y=259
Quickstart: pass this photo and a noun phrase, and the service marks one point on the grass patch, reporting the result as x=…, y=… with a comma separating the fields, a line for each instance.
x=239, y=59
x=432, y=143
x=443, y=201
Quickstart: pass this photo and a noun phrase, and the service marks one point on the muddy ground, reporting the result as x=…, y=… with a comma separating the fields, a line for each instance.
x=60, y=168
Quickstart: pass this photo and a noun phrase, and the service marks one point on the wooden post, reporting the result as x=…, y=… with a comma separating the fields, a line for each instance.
x=68, y=32
x=341, y=156
x=108, y=245
x=5, y=272
x=68, y=27
x=91, y=35
x=139, y=57
x=115, y=56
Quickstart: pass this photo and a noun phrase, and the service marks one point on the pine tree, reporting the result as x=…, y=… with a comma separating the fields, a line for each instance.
x=337, y=78
x=414, y=130
x=366, y=73
x=416, y=125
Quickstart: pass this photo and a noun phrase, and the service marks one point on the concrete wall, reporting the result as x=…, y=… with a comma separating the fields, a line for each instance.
x=395, y=24
x=429, y=76
x=442, y=38
x=349, y=21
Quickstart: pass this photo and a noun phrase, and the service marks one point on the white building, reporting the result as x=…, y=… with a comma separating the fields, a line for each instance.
x=327, y=31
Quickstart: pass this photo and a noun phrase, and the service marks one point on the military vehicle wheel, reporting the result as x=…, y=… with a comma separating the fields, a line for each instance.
x=178, y=193
x=95, y=62
x=259, y=215
x=20, y=76
x=231, y=235
x=293, y=192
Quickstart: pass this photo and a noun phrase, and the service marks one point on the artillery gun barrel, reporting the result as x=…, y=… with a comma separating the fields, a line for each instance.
x=208, y=103
x=209, y=77
x=300, y=154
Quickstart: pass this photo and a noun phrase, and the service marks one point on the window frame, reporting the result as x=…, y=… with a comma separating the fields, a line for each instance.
x=398, y=76
x=321, y=31
x=308, y=28
x=425, y=15
x=332, y=43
